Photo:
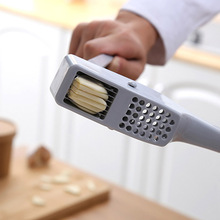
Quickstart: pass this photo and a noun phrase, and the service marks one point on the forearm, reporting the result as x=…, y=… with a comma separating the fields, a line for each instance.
x=174, y=21
x=143, y=28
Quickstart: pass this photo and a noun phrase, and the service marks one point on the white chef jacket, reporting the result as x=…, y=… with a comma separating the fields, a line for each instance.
x=174, y=21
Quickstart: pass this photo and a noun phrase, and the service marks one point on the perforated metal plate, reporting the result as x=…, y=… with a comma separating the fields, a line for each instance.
x=147, y=121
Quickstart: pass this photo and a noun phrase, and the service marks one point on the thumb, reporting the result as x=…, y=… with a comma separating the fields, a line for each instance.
x=115, y=64
x=129, y=68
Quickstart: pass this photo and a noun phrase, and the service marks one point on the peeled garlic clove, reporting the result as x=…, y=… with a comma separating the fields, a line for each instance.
x=38, y=201
x=73, y=189
x=88, y=94
x=61, y=179
x=90, y=86
x=91, y=185
x=46, y=179
x=45, y=186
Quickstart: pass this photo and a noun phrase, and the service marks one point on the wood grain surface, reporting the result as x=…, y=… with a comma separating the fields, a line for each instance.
x=17, y=190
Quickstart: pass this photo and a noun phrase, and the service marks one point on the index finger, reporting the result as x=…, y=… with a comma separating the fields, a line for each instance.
x=76, y=37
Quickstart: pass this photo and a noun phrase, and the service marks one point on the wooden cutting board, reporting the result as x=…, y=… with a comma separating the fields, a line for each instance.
x=18, y=189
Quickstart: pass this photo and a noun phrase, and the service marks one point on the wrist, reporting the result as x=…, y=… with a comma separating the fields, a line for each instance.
x=141, y=26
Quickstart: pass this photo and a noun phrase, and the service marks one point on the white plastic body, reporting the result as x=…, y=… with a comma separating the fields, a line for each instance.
x=184, y=127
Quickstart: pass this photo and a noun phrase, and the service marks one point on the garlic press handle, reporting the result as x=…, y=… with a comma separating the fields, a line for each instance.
x=102, y=60
x=197, y=132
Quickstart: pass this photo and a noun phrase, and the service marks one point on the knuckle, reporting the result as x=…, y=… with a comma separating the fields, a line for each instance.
x=127, y=35
x=91, y=28
x=80, y=27
x=92, y=25
x=107, y=25
x=88, y=47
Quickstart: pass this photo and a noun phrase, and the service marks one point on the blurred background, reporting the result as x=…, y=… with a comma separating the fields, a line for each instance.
x=34, y=37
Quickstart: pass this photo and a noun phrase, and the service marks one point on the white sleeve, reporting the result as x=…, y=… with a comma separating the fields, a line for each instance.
x=174, y=21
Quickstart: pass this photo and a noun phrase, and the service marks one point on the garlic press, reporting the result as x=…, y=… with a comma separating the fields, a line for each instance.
x=132, y=108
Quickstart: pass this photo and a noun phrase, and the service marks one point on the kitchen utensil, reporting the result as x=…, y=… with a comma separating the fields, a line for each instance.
x=132, y=108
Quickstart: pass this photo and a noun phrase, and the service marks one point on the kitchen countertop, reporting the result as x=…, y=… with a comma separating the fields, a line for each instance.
x=68, y=13
x=198, y=57
x=120, y=205
x=62, y=13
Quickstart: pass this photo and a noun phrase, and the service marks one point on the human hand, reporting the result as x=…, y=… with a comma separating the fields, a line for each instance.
x=128, y=38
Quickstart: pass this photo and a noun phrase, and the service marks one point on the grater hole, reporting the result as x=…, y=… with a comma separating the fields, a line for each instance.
x=161, y=126
x=161, y=111
x=151, y=114
x=142, y=133
x=148, y=121
x=164, y=136
x=164, y=120
x=145, y=127
x=138, y=109
x=135, y=99
x=168, y=129
x=172, y=122
x=168, y=115
x=132, y=121
x=148, y=105
x=128, y=112
x=142, y=102
x=128, y=128
x=141, y=118
x=155, y=123
x=152, y=130
x=158, y=132
x=158, y=117
x=139, y=124
x=145, y=111
x=102, y=117
x=131, y=106
x=155, y=108
x=135, y=115
x=149, y=136
x=156, y=138
x=121, y=125
x=125, y=118
x=135, y=130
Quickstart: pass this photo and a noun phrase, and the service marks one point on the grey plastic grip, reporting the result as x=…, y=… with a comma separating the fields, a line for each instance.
x=198, y=132
x=102, y=60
